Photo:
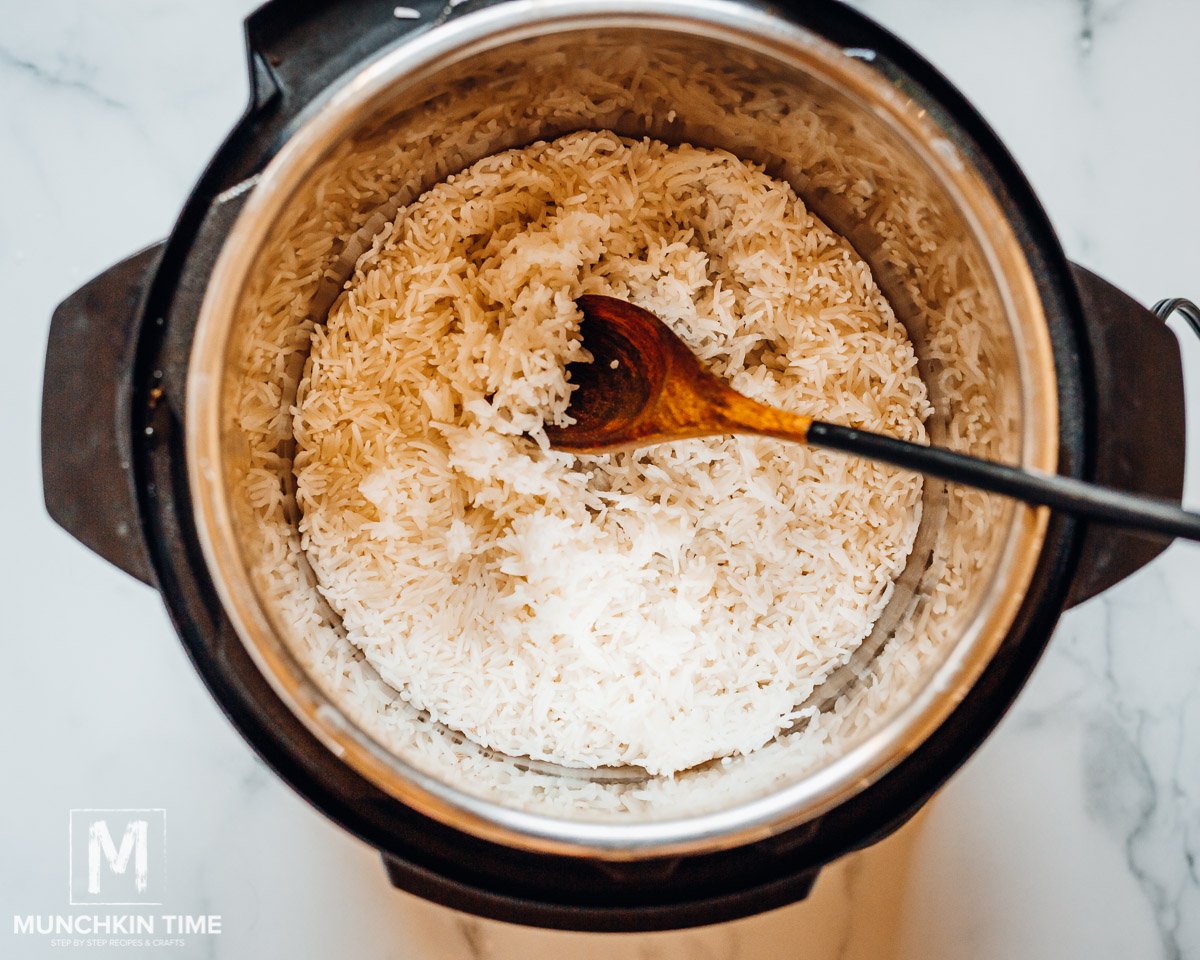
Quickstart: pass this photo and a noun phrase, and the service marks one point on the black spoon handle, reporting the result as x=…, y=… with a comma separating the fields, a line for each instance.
x=1128, y=510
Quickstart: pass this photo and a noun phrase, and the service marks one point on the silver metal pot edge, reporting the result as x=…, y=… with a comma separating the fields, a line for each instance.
x=864, y=764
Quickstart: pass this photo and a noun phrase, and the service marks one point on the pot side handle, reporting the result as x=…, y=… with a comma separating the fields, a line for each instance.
x=87, y=473
x=299, y=48
x=1140, y=429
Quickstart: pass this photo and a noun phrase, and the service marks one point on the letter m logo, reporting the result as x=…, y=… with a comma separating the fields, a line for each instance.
x=118, y=857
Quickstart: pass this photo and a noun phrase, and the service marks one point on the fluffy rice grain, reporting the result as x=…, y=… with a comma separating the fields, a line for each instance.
x=658, y=608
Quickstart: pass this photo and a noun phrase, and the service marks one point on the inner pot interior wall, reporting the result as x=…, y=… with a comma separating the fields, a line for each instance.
x=851, y=167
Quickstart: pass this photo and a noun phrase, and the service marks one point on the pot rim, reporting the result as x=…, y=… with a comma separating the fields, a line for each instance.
x=743, y=823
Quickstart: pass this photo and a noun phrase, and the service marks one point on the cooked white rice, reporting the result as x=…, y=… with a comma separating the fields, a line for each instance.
x=657, y=608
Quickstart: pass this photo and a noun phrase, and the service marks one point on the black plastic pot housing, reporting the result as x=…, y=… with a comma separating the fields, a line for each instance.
x=115, y=478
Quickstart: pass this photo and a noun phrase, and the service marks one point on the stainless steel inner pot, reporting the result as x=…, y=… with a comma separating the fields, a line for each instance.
x=874, y=159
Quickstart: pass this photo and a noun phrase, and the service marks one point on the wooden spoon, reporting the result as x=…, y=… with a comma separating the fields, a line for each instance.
x=644, y=386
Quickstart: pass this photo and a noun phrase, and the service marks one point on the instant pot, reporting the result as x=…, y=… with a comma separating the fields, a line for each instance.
x=155, y=458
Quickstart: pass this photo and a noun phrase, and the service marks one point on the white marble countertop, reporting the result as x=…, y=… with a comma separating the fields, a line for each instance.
x=1075, y=831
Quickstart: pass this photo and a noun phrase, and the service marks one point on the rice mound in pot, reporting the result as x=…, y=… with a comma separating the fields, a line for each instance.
x=657, y=608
